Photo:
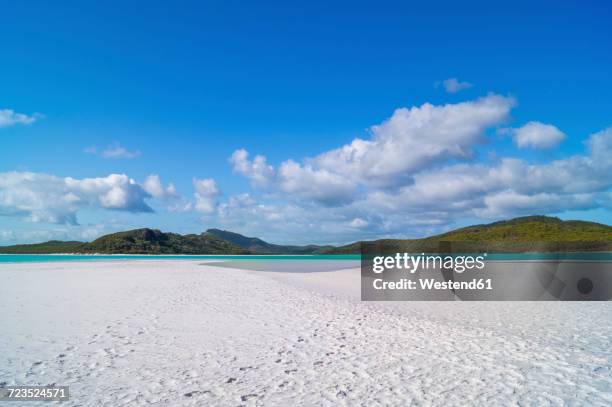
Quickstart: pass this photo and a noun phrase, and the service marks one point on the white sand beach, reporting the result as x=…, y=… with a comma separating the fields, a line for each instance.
x=180, y=333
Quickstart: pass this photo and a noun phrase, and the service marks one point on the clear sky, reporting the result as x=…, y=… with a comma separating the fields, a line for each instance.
x=301, y=122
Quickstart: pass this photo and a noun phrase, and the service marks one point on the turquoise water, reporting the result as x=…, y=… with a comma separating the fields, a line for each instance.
x=43, y=258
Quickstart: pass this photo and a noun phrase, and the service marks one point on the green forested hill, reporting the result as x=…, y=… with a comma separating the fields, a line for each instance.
x=531, y=233
x=152, y=241
x=50, y=247
x=138, y=241
x=532, y=228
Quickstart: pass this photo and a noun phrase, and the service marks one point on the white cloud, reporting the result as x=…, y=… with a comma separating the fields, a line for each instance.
x=415, y=138
x=9, y=117
x=536, y=135
x=47, y=198
x=453, y=85
x=116, y=191
x=600, y=147
x=320, y=185
x=257, y=171
x=510, y=202
x=114, y=150
x=206, y=194
x=508, y=188
x=292, y=178
x=411, y=140
x=155, y=188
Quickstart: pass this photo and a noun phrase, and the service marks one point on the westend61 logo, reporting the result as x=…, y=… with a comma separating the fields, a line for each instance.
x=469, y=271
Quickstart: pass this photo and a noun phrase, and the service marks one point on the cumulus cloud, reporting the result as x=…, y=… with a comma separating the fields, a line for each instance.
x=415, y=138
x=410, y=140
x=9, y=117
x=154, y=187
x=453, y=85
x=509, y=187
x=206, y=194
x=43, y=197
x=536, y=135
x=302, y=181
x=600, y=147
x=321, y=185
x=114, y=150
x=257, y=170
x=502, y=203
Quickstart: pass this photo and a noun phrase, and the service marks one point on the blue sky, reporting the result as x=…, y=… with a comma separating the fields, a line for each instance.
x=175, y=90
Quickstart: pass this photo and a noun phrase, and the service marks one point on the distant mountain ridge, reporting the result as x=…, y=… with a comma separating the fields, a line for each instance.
x=256, y=245
x=530, y=233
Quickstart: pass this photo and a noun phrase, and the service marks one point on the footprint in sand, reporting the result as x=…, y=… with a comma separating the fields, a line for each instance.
x=247, y=396
x=193, y=393
x=34, y=369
